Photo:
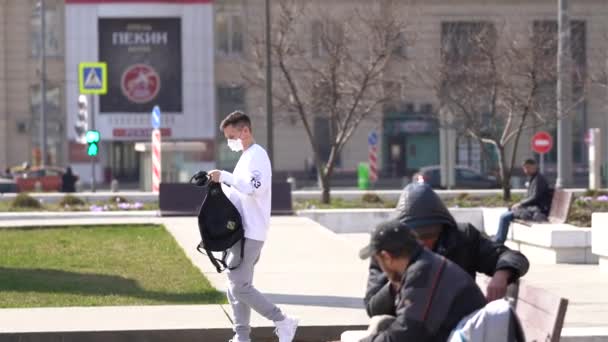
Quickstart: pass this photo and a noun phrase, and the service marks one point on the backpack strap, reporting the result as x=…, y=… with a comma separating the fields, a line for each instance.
x=220, y=264
x=433, y=288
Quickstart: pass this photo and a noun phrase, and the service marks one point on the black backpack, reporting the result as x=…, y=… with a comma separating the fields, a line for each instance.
x=219, y=223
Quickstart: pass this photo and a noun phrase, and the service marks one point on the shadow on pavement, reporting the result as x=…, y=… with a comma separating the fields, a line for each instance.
x=56, y=281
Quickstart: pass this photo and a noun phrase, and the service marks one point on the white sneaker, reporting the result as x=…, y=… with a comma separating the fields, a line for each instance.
x=286, y=329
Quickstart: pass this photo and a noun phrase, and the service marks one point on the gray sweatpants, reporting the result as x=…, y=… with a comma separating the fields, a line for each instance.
x=241, y=294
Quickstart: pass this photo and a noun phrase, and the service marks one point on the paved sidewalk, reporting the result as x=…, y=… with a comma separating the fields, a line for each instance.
x=303, y=265
x=583, y=285
x=309, y=271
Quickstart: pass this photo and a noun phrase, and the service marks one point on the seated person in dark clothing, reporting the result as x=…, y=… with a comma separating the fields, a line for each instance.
x=534, y=207
x=68, y=181
x=432, y=294
x=422, y=211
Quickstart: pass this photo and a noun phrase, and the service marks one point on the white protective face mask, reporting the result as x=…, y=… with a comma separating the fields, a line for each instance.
x=236, y=145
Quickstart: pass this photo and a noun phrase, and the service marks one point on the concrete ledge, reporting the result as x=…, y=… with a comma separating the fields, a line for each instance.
x=542, y=243
x=262, y=334
x=552, y=243
x=46, y=215
x=599, y=238
x=598, y=334
x=53, y=197
x=393, y=195
x=491, y=219
x=388, y=195
x=344, y=221
x=168, y=323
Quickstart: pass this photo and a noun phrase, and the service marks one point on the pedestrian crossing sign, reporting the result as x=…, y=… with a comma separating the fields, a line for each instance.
x=92, y=78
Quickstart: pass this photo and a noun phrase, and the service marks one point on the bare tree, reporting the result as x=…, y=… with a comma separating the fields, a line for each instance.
x=600, y=56
x=332, y=66
x=495, y=83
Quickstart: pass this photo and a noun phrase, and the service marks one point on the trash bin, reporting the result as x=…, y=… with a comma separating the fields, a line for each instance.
x=363, y=176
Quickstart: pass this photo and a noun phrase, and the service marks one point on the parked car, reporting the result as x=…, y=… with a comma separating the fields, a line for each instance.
x=465, y=178
x=49, y=178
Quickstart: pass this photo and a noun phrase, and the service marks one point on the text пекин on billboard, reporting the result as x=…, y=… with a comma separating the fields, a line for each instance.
x=144, y=64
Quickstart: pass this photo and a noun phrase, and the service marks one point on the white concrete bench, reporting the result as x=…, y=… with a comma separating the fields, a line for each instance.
x=550, y=243
x=599, y=238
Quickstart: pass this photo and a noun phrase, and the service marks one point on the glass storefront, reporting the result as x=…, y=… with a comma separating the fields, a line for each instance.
x=410, y=142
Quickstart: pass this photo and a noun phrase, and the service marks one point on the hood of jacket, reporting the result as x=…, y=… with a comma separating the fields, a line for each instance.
x=419, y=206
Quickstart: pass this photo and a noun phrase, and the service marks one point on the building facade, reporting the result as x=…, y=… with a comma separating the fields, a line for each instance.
x=20, y=79
x=194, y=57
x=157, y=53
x=411, y=138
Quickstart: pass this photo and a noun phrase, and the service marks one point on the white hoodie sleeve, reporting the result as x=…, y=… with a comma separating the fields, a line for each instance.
x=253, y=180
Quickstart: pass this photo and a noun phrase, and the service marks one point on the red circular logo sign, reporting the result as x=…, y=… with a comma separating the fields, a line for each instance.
x=542, y=142
x=140, y=83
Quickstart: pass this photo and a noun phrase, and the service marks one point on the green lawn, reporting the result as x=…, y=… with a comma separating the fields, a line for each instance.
x=91, y=266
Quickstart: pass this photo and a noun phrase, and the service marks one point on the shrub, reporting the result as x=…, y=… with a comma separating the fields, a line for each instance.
x=72, y=201
x=24, y=200
x=594, y=193
x=117, y=200
x=463, y=196
x=371, y=198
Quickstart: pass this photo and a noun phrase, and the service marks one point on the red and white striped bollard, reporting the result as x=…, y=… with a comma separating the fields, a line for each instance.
x=156, y=160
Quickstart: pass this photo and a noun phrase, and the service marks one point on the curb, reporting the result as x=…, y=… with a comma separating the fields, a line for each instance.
x=77, y=215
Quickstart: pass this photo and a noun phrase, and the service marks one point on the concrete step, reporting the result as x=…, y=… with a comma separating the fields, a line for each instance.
x=182, y=323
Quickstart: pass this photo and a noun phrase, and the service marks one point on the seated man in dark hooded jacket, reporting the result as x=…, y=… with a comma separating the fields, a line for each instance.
x=422, y=211
x=433, y=295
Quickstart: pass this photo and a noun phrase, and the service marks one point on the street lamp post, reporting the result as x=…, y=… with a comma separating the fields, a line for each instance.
x=564, y=97
x=43, y=137
x=269, y=112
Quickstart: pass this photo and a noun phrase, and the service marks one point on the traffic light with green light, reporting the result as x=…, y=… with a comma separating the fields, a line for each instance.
x=92, y=138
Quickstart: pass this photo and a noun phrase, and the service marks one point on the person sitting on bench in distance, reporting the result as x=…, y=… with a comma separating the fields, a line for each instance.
x=422, y=211
x=534, y=207
x=432, y=294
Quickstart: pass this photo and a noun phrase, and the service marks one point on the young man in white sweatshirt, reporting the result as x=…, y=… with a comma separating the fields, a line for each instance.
x=250, y=192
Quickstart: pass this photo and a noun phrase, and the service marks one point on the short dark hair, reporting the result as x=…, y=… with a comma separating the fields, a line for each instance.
x=529, y=162
x=236, y=118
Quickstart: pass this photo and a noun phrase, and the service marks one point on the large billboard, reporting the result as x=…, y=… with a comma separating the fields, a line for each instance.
x=144, y=57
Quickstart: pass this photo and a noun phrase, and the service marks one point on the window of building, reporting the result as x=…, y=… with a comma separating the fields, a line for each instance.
x=324, y=37
x=53, y=31
x=53, y=112
x=546, y=38
x=400, y=48
x=317, y=36
x=229, y=34
x=55, y=119
x=462, y=41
